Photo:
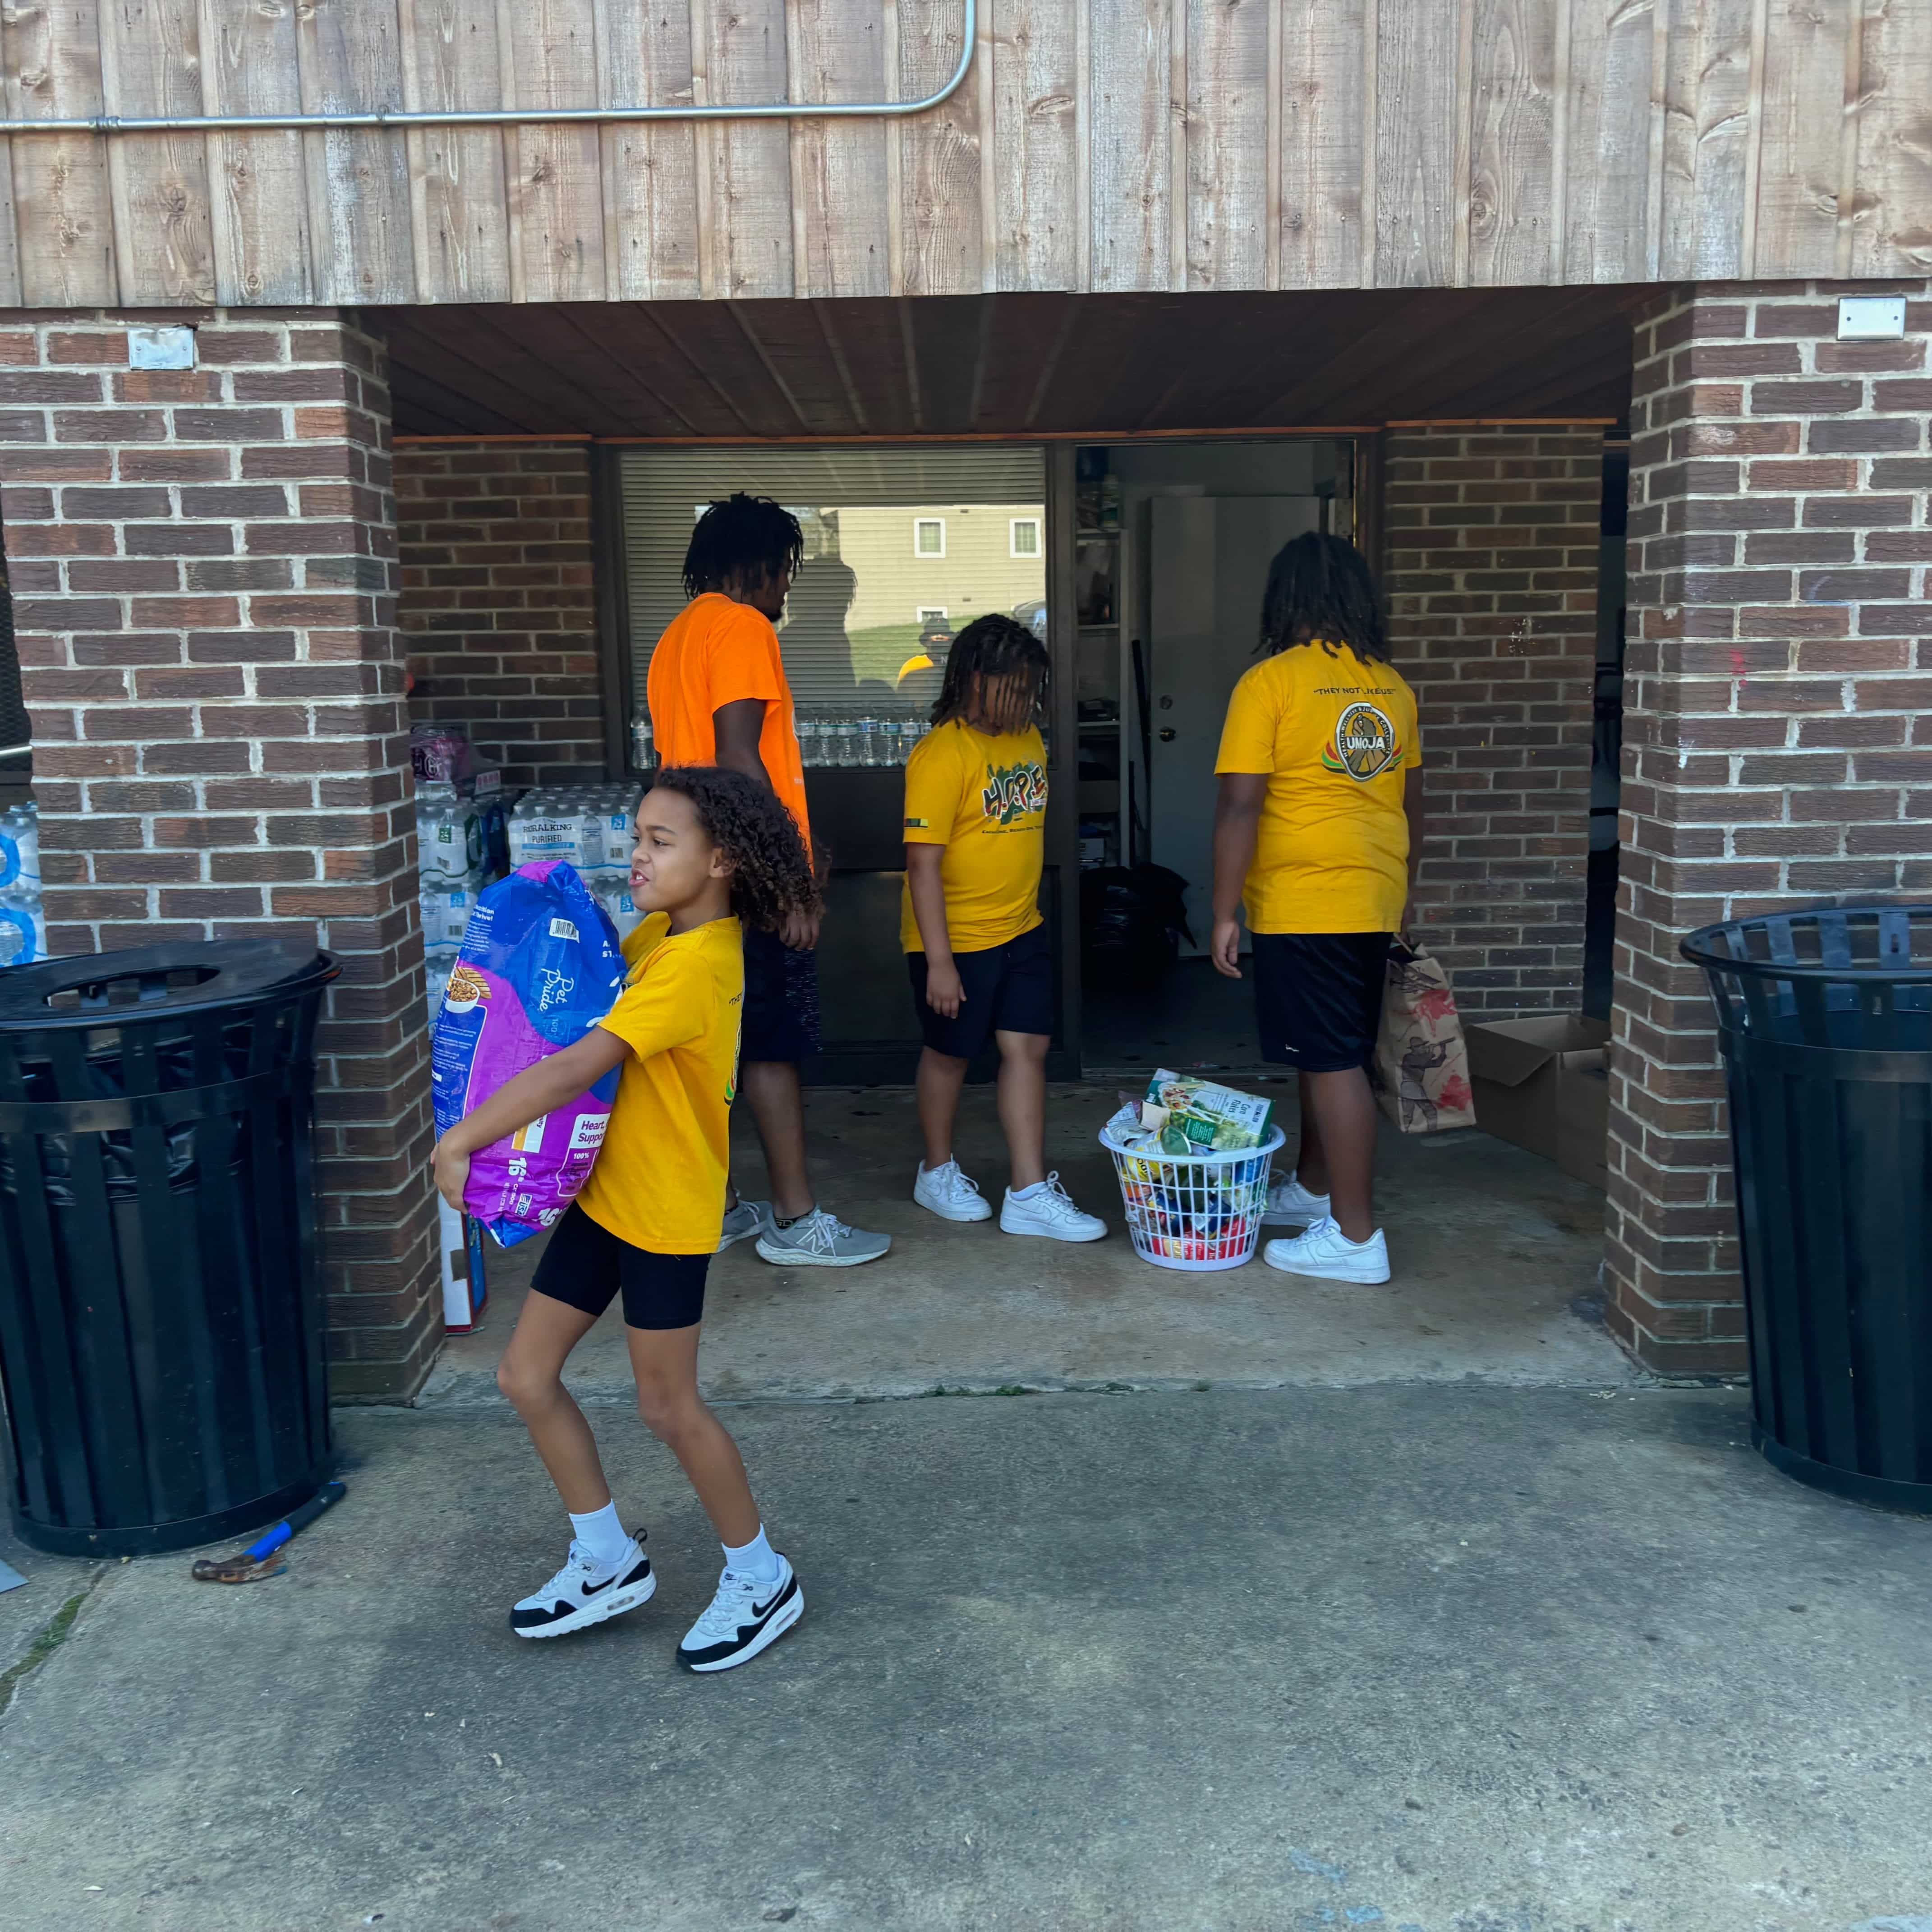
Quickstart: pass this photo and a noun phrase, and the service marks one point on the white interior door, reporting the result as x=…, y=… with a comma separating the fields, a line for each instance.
x=1206, y=569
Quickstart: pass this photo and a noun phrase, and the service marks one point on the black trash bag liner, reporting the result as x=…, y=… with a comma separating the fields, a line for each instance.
x=176, y=1063
x=1132, y=919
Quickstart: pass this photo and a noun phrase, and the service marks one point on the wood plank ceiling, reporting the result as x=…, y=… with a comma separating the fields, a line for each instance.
x=1014, y=365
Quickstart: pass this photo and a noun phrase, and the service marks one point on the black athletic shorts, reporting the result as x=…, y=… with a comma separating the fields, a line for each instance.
x=1318, y=997
x=781, y=1009
x=1009, y=989
x=585, y=1266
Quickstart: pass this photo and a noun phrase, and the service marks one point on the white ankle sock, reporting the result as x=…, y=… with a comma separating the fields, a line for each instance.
x=757, y=1560
x=602, y=1534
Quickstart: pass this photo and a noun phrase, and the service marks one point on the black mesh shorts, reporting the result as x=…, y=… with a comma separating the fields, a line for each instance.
x=781, y=1009
x=1318, y=997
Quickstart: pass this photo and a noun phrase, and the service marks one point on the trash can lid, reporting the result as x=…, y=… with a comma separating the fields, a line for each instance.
x=1857, y=943
x=98, y=988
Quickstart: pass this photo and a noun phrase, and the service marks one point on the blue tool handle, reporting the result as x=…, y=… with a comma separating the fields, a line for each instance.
x=297, y=1519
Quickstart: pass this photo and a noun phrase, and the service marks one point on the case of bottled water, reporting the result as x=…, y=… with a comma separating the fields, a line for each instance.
x=23, y=926
x=449, y=833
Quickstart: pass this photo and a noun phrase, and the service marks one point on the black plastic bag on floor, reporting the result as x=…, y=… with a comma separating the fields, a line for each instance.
x=1132, y=919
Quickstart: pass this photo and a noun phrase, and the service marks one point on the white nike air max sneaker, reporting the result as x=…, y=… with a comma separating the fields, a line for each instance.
x=745, y=1617
x=949, y=1194
x=1290, y=1205
x=1328, y=1255
x=1049, y=1209
x=581, y=1594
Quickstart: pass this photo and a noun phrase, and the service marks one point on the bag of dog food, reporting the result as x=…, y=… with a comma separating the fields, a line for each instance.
x=539, y=966
x=1192, y=1115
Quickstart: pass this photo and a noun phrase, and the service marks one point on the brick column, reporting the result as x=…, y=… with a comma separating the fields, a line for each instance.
x=203, y=566
x=1777, y=748
x=1492, y=548
x=499, y=601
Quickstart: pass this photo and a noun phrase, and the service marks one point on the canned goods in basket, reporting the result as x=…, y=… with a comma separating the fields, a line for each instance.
x=1196, y=1212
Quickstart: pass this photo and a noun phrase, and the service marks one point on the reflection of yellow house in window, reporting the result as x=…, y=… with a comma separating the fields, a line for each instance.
x=957, y=560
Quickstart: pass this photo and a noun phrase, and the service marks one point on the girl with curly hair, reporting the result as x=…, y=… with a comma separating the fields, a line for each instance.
x=716, y=851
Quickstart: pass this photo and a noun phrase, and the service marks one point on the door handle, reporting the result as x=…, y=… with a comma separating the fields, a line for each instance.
x=1167, y=734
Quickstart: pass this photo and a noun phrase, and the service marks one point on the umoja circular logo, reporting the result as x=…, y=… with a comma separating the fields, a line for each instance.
x=1365, y=743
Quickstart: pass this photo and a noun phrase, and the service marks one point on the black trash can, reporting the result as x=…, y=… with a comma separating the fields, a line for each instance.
x=1825, y=1021
x=161, y=1350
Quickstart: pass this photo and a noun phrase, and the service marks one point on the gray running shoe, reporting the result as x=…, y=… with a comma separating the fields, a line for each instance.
x=820, y=1240
x=743, y=1221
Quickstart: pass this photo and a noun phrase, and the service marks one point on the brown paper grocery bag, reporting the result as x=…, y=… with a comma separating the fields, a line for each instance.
x=1421, y=1069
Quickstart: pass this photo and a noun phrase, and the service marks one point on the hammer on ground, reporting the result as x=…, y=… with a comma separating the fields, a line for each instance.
x=263, y=1557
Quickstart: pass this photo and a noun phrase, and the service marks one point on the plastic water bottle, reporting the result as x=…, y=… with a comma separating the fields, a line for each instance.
x=809, y=741
x=865, y=732
x=443, y=830
x=644, y=747
x=23, y=927
x=20, y=846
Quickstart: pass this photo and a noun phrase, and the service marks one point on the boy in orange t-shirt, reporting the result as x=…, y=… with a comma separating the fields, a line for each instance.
x=718, y=694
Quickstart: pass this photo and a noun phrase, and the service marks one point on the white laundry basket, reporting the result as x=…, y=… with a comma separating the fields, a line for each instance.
x=1196, y=1212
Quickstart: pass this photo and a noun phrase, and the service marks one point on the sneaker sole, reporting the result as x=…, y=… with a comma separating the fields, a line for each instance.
x=781, y=1622
x=986, y=1213
x=796, y=1258
x=1050, y=1234
x=1362, y=1278
x=599, y=1612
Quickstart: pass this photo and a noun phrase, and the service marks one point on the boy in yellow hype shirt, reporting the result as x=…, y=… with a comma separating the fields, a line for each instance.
x=981, y=968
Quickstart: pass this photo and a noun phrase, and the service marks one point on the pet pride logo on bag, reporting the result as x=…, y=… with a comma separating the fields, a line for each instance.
x=1366, y=745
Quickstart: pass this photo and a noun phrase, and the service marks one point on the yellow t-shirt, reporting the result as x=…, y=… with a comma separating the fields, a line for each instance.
x=659, y=1180
x=1333, y=736
x=984, y=799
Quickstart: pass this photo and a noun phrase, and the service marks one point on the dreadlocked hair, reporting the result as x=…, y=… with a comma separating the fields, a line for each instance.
x=771, y=875
x=1010, y=664
x=744, y=539
x=1320, y=590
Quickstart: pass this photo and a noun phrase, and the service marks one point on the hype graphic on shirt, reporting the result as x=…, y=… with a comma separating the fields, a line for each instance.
x=1365, y=745
x=1013, y=791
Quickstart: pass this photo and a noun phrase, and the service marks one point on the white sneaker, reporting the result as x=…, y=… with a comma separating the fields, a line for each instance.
x=582, y=1593
x=749, y=1218
x=745, y=1617
x=1048, y=1211
x=1327, y=1254
x=1290, y=1205
x=952, y=1196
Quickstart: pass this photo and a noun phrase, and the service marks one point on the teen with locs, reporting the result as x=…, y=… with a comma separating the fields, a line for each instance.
x=1317, y=823
x=715, y=848
x=719, y=695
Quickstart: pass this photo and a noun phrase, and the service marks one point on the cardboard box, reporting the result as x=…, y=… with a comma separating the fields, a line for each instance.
x=1543, y=1084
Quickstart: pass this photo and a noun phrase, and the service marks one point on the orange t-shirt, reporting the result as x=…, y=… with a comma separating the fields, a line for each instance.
x=717, y=652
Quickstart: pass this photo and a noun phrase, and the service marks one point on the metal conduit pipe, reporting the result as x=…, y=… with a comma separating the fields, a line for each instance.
x=513, y=117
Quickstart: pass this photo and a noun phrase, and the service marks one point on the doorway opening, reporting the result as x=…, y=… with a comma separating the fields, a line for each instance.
x=1172, y=545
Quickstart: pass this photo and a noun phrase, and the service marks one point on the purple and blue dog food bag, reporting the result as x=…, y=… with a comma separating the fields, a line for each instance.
x=540, y=966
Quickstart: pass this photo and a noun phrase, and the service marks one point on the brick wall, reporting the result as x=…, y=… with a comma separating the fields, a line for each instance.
x=499, y=604
x=1777, y=746
x=204, y=574
x=1491, y=555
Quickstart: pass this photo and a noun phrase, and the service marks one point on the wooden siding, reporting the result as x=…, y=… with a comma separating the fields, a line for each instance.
x=1125, y=146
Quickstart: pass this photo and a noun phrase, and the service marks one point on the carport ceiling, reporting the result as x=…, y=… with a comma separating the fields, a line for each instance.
x=1009, y=365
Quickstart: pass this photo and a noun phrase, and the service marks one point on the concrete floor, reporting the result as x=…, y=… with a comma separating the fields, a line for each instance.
x=1422, y=1657
x=1495, y=1256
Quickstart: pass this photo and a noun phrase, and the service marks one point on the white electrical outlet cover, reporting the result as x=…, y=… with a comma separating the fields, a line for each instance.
x=160, y=349
x=1870, y=318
